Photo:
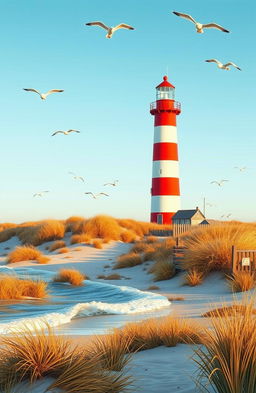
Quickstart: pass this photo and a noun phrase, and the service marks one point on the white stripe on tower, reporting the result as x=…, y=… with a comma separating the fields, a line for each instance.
x=165, y=191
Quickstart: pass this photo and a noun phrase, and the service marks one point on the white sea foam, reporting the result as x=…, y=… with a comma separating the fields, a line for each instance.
x=67, y=302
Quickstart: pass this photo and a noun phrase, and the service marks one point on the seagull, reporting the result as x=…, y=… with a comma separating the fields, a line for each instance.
x=243, y=168
x=44, y=95
x=210, y=204
x=39, y=193
x=200, y=26
x=76, y=177
x=111, y=184
x=227, y=216
x=65, y=132
x=219, y=183
x=95, y=196
x=110, y=30
x=223, y=66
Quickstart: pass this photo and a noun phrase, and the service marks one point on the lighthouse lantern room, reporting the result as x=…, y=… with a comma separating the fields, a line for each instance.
x=165, y=190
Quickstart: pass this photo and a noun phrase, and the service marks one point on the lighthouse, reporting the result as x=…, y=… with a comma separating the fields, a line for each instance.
x=165, y=190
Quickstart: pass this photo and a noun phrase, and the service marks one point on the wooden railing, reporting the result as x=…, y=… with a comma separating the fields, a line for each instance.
x=243, y=260
x=179, y=229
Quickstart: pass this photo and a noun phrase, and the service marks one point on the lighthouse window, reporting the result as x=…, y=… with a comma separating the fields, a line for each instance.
x=165, y=93
x=159, y=219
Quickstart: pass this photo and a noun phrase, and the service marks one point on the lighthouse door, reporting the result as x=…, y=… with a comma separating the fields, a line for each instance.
x=159, y=218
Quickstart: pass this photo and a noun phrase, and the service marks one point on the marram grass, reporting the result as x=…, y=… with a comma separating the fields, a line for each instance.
x=227, y=361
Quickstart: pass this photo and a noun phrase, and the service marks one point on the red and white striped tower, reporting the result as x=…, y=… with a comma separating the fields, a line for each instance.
x=165, y=191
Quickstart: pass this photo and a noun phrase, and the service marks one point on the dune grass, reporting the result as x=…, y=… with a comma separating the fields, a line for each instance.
x=14, y=288
x=34, y=355
x=241, y=281
x=63, y=250
x=81, y=238
x=72, y=276
x=193, y=278
x=227, y=360
x=114, y=350
x=110, y=277
x=101, y=226
x=97, y=243
x=57, y=244
x=163, y=270
x=128, y=236
x=128, y=260
x=226, y=311
x=168, y=331
x=209, y=249
x=153, y=288
x=26, y=253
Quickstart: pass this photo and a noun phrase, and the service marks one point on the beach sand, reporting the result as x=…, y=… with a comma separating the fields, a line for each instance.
x=157, y=370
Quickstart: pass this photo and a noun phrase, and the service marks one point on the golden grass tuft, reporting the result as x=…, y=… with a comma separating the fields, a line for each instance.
x=40, y=232
x=128, y=236
x=74, y=277
x=25, y=253
x=97, y=243
x=168, y=331
x=128, y=260
x=163, y=270
x=241, y=281
x=35, y=355
x=82, y=238
x=153, y=288
x=7, y=234
x=193, y=278
x=100, y=227
x=227, y=311
x=72, y=223
x=57, y=244
x=227, y=360
x=209, y=248
x=15, y=288
x=151, y=239
x=114, y=351
x=43, y=259
x=175, y=298
x=110, y=277
x=63, y=250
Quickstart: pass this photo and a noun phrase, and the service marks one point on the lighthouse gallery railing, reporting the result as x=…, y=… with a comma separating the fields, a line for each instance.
x=165, y=105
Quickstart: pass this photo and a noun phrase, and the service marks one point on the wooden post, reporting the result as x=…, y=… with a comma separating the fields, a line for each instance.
x=233, y=259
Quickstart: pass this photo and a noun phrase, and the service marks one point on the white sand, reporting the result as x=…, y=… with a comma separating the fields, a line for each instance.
x=158, y=370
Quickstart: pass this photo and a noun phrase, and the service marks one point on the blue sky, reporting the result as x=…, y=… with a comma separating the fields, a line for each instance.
x=109, y=85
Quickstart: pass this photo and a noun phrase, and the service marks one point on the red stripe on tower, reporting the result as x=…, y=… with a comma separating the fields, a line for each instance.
x=165, y=191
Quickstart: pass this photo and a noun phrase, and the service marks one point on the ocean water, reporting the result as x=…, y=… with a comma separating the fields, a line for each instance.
x=76, y=306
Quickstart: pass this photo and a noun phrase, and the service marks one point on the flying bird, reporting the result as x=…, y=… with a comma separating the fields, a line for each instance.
x=95, y=196
x=76, y=177
x=110, y=30
x=111, y=184
x=226, y=215
x=44, y=95
x=199, y=26
x=241, y=169
x=40, y=193
x=219, y=183
x=65, y=132
x=210, y=204
x=223, y=66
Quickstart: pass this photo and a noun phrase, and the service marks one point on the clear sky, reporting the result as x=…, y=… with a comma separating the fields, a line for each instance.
x=109, y=85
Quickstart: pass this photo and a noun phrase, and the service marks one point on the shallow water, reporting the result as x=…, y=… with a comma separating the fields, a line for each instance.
x=89, y=309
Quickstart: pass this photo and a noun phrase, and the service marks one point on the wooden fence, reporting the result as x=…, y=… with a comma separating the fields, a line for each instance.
x=179, y=229
x=243, y=260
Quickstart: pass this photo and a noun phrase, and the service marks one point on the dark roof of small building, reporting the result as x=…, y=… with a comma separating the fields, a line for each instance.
x=185, y=214
x=204, y=222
